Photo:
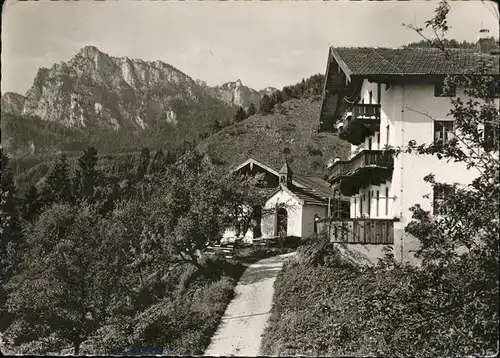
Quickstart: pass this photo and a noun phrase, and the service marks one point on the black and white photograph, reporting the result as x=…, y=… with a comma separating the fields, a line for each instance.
x=250, y=178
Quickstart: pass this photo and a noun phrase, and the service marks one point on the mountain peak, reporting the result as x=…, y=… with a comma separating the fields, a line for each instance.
x=89, y=51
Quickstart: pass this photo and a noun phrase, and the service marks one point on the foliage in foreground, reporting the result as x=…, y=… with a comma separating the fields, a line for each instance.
x=109, y=267
x=324, y=305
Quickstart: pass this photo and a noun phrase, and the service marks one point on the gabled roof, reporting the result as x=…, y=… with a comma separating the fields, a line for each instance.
x=303, y=196
x=253, y=161
x=318, y=186
x=314, y=188
x=366, y=61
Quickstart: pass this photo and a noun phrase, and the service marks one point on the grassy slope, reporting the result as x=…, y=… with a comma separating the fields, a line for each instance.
x=268, y=138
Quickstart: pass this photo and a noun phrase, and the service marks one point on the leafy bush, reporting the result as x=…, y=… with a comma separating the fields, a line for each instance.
x=185, y=324
x=306, y=316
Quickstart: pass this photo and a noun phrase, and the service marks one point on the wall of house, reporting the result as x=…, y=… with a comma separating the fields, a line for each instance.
x=294, y=218
x=308, y=212
x=417, y=103
x=365, y=202
x=405, y=112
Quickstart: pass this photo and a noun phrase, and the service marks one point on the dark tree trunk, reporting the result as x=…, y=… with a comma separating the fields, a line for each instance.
x=76, y=346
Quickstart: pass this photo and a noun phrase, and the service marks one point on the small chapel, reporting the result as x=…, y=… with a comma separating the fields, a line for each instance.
x=294, y=205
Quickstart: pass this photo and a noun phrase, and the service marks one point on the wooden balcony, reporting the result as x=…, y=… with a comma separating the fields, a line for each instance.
x=368, y=167
x=359, y=231
x=361, y=121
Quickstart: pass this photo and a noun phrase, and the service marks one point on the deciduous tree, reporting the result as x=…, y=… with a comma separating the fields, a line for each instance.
x=73, y=281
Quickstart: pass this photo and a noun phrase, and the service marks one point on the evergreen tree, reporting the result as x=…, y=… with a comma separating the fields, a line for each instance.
x=170, y=159
x=251, y=110
x=287, y=93
x=57, y=187
x=279, y=96
x=143, y=163
x=10, y=229
x=157, y=162
x=240, y=115
x=266, y=104
x=31, y=204
x=217, y=126
x=86, y=176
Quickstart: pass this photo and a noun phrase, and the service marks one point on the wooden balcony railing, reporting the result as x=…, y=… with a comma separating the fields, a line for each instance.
x=360, y=121
x=365, y=158
x=359, y=231
x=366, y=111
x=340, y=169
x=369, y=167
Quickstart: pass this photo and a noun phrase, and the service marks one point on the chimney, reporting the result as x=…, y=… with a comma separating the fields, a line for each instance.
x=485, y=42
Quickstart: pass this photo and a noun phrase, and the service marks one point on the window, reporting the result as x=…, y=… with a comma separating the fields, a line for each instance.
x=439, y=90
x=361, y=199
x=387, y=136
x=492, y=136
x=444, y=130
x=386, y=201
x=370, y=143
x=369, y=204
x=441, y=192
x=370, y=94
x=378, y=140
x=378, y=198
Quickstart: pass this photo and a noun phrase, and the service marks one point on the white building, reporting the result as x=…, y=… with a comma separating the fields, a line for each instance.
x=377, y=97
x=295, y=203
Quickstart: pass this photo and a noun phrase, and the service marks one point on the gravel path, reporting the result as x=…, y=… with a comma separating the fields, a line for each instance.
x=243, y=323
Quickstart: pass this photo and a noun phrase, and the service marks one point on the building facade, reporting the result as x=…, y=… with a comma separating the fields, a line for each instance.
x=384, y=98
x=294, y=205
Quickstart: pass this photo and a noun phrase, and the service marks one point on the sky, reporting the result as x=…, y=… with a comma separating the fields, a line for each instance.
x=272, y=43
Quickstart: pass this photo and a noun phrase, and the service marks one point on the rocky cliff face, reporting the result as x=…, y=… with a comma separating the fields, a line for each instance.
x=12, y=103
x=236, y=94
x=96, y=89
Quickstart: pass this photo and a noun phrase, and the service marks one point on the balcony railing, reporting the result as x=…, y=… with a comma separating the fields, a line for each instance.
x=365, y=158
x=366, y=167
x=359, y=231
x=361, y=121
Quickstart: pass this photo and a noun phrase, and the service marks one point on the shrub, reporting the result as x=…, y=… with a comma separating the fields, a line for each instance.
x=306, y=317
x=184, y=325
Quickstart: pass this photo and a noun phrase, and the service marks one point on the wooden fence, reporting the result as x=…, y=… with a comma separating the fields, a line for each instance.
x=359, y=231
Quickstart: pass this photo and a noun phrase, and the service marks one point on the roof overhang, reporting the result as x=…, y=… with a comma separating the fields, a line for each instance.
x=343, y=66
x=253, y=162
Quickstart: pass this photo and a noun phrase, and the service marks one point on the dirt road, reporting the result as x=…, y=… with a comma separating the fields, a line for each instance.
x=243, y=323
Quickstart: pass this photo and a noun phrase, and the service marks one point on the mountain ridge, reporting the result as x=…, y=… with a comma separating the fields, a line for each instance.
x=98, y=93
